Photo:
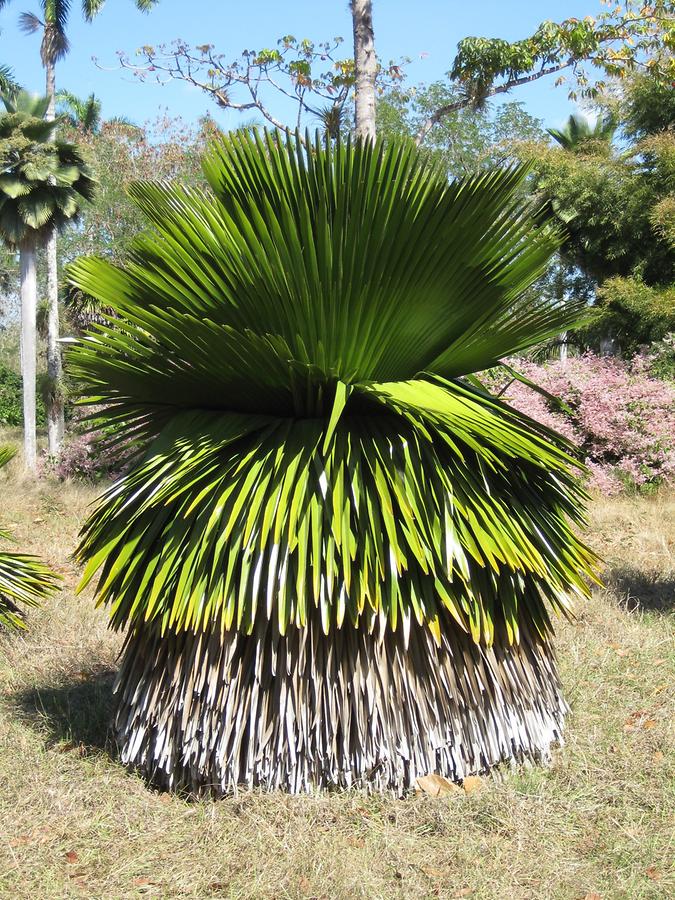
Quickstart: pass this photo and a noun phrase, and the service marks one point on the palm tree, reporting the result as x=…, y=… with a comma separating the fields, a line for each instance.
x=79, y=112
x=41, y=184
x=336, y=556
x=23, y=579
x=579, y=135
x=55, y=45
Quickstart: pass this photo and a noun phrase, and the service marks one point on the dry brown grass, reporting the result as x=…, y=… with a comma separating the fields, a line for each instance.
x=598, y=822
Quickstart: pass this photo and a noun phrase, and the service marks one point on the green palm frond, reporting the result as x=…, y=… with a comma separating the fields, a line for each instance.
x=322, y=495
x=24, y=579
x=8, y=84
x=291, y=348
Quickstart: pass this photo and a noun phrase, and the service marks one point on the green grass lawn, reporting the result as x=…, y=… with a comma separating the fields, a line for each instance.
x=597, y=823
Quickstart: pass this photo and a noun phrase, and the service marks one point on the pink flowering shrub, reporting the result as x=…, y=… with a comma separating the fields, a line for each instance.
x=85, y=455
x=622, y=420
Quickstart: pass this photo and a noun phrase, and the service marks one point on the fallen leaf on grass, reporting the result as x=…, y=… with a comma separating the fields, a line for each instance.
x=653, y=873
x=591, y=895
x=472, y=783
x=658, y=756
x=436, y=785
x=72, y=857
x=20, y=841
x=356, y=841
x=639, y=719
x=143, y=881
x=463, y=892
x=305, y=885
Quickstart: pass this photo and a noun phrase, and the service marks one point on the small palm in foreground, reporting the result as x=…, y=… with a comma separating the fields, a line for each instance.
x=336, y=556
x=23, y=579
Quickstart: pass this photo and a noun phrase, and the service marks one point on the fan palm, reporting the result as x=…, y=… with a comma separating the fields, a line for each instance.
x=41, y=185
x=336, y=556
x=23, y=579
x=579, y=135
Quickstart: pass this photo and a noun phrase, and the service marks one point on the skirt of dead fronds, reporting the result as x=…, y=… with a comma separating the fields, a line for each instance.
x=301, y=711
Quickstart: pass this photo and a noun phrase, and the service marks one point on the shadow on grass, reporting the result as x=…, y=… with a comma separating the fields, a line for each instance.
x=640, y=590
x=73, y=714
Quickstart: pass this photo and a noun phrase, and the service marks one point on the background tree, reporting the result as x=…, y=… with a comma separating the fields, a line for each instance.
x=41, y=186
x=365, y=69
x=53, y=24
x=624, y=38
x=468, y=139
x=313, y=533
x=618, y=211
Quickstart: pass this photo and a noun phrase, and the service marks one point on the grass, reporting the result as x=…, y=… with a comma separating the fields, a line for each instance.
x=597, y=823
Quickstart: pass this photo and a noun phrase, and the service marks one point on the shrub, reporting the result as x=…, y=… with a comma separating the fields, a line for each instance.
x=11, y=400
x=622, y=419
x=87, y=455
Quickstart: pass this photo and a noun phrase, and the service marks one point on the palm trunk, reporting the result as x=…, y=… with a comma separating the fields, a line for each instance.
x=29, y=350
x=215, y=711
x=365, y=67
x=55, y=415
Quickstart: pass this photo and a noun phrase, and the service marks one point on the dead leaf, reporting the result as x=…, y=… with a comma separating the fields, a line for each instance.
x=72, y=857
x=305, y=885
x=463, y=892
x=660, y=661
x=143, y=881
x=436, y=785
x=653, y=873
x=649, y=723
x=355, y=841
x=20, y=841
x=591, y=895
x=472, y=783
x=658, y=756
x=435, y=873
x=660, y=687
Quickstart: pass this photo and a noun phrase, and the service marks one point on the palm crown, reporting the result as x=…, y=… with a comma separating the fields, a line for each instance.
x=42, y=181
x=291, y=353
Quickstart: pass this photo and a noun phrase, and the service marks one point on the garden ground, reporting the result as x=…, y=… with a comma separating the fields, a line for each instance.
x=597, y=824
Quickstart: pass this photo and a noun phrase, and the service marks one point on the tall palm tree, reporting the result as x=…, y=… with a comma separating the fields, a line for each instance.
x=23, y=579
x=579, y=135
x=336, y=556
x=41, y=184
x=53, y=24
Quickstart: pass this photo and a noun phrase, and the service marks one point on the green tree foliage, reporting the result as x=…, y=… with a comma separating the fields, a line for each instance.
x=325, y=514
x=468, y=139
x=23, y=579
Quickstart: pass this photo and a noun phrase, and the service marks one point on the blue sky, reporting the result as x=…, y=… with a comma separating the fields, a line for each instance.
x=426, y=30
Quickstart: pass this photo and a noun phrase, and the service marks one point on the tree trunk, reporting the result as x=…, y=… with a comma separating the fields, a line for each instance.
x=55, y=418
x=28, y=351
x=365, y=69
